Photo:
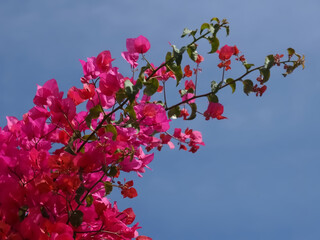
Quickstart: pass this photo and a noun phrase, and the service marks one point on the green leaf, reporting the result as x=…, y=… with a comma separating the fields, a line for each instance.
x=113, y=170
x=76, y=218
x=232, y=84
x=213, y=98
x=265, y=72
x=291, y=51
x=214, y=86
x=23, y=212
x=169, y=57
x=227, y=30
x=193, y=54
x=186, y=32
x=174, y=112
x=128, y=86
x=44, y=212
x=215, y=19
x=132, y=114
x=89, y=200
x=121, y=95
x=247, y=86
x=93, y=114
x=152, y=86
x=113, y=130
x=193, y=111
x=177, y=71
x=89, y=137
x=177, y=54
x=248, y=65
x=141, y=77
x=207, y=26
x=214, y=42
x=269, y=61
x=108, y=187
x=70, y=150
x=193, y=33
x=79, y=192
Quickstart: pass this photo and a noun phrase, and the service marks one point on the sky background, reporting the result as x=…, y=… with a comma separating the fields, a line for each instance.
x=257, y=178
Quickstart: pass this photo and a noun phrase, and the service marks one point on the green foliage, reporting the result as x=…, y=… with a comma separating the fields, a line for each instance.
x=193, y=111
x=231, y=83
x=247, y=86
x=76, y=218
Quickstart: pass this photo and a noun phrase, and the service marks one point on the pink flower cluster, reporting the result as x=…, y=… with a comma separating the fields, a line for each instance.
x=58, y=163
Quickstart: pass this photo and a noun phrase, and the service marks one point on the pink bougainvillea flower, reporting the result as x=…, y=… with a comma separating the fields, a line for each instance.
x=259, y=91
x=141, y=44
x=187, y=96
x=111, y=82
x=49, y=89
x=143, y=238
x=104, y=60
x=90, y=68
x=214, y=111
x=131, y=58
x=187, y=71
x=189, y=85
x=226, y=52
x=199, y=59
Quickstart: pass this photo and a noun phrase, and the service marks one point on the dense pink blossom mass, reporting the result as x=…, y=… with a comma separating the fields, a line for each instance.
x=59, y=164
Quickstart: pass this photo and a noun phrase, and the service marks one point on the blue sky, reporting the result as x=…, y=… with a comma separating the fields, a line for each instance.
x=257, y=178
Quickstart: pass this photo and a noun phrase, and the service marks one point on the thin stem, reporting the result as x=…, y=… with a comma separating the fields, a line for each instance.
x=164, y=94
x=101, y=123
x=196, y=81
x=207, y=94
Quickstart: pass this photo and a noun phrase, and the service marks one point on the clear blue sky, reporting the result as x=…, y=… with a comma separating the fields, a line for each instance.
x=257, y=178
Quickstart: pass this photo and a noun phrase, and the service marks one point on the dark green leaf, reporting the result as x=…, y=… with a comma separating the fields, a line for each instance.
x=89, y=200
x=113, y=170
x=247, y=86
x=227, y=30
x=193, y=54
x=193, y=111
x=132, y=114
x=151, y=86
x=231, y=83
x=113, y=130
x=214, y=42
x=23, y=212
x=213, y=98
x=174, y=112
x=169, y=57
x=193, y=33
x=265, y=72
x=269, y=61
x=108, y=187
x=121, y=95
x=44, y=212
x=69, y=149
x=76, y=218
x=89, y=137
x=177, y=71
x=79, y=192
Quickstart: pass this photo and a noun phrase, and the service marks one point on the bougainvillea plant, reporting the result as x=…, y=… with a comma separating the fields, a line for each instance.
x=59, y=164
